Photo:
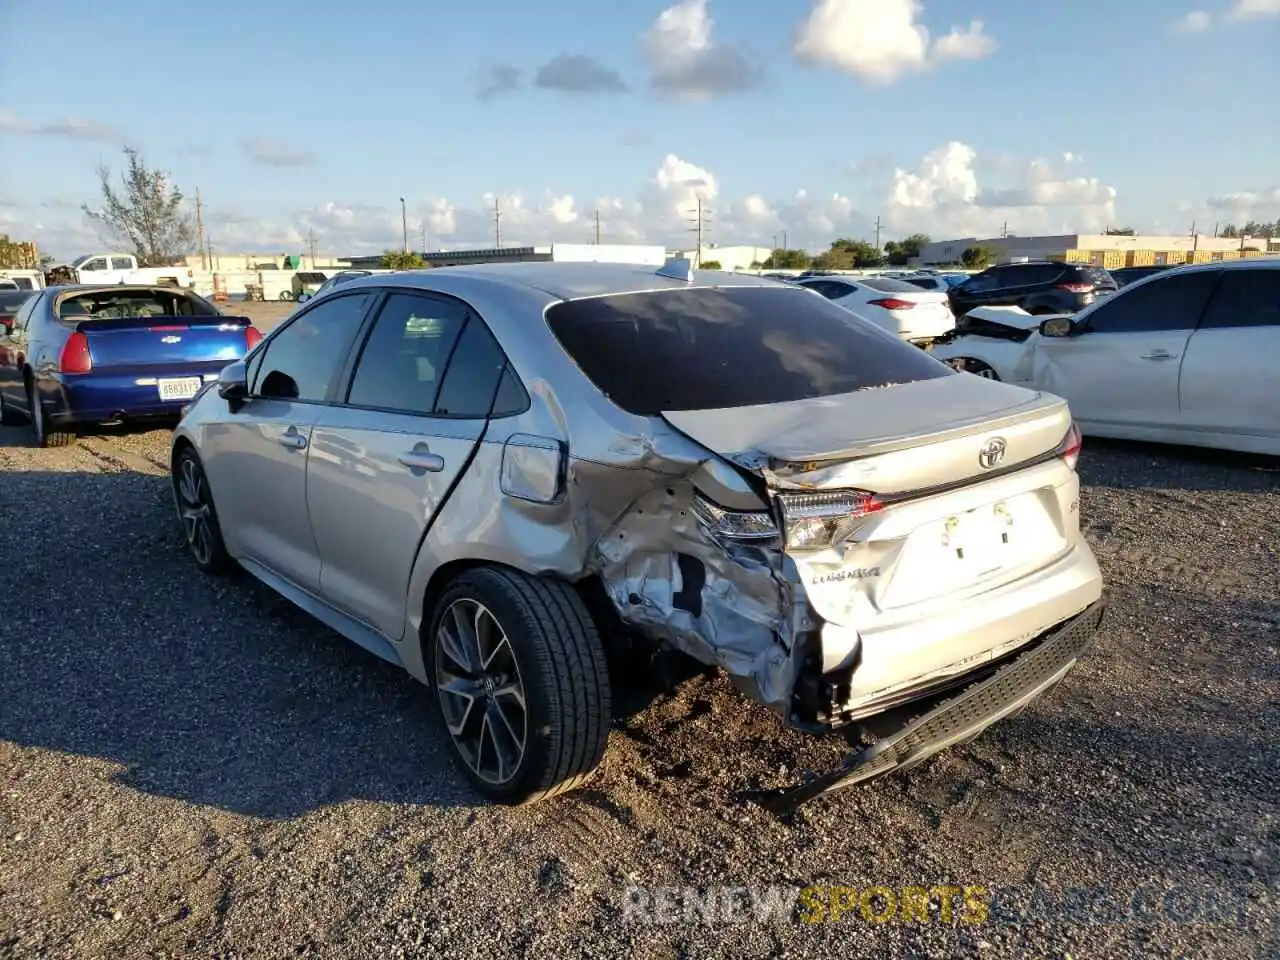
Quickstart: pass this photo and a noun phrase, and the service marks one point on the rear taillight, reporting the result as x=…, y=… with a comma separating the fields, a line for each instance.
x=75, y=354
x=1074, y=287
x=814, y=521
x=892, y=303
x=252, y=337
x=1069, y=448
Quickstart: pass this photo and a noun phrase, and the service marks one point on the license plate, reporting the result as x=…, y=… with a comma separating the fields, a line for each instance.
x=979, y=541
x=179, y=388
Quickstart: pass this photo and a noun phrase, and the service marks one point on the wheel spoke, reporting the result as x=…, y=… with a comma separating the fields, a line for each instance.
x=482, y=696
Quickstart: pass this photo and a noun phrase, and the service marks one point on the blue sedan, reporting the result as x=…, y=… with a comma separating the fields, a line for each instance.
x=84, y=355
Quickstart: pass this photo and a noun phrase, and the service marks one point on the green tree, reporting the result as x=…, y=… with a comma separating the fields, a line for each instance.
x=402, y=260
x=787, y=260
x=846, y=254
x=900, y=252
x=710, y=265
x=146, y=214
x=17, y=255
x=975, y=258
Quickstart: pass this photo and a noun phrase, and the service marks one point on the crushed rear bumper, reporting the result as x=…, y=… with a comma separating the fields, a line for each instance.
x=962, y=717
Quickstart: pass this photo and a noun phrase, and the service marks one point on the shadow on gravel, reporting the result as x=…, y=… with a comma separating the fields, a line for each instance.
x=1125, y=464
x=216, y=692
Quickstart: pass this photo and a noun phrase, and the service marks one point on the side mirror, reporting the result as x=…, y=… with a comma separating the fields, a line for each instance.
x=1057, y=327
x=233, y=383
x=303, y=297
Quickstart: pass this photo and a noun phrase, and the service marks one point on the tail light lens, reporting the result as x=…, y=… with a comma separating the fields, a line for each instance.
x=813, y=521
x=252, y=337
x=734, y=526
x=75, y=354
x=892, y=303
x=1069, y=448
x=1074, y=287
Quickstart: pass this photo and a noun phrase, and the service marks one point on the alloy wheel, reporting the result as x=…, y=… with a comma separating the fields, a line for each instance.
x=195, y=510
x=482, y=694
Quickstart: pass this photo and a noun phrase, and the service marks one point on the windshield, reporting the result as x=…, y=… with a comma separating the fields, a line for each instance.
x=711, y=348
x=79, y=262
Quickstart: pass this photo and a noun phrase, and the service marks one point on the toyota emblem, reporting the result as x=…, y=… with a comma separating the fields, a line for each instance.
x=992, y=453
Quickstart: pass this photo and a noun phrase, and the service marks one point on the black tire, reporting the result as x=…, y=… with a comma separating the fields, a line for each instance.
x=560, y=665
x=191, y=493
x=286, y=295
x=979, y=368
x=10, y=417
x=41, y=434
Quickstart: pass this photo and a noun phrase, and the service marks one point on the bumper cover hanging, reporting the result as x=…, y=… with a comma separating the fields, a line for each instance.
x=960, y=718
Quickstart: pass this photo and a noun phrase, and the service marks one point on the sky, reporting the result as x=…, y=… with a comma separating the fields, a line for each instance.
x=811, y=117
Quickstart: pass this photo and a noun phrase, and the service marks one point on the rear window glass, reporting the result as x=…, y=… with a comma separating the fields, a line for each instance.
x=133, y=304
x=888, y=285
x=1096, y=276
x=711, y=348
x=10, y=300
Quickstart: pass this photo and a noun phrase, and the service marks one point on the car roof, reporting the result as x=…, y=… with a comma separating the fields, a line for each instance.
x=569, y=281
x=114, y=288
x=1267, y=263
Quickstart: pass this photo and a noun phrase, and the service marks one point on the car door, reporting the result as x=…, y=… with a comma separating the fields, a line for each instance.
x=257, y=460
x=1228, y=381
x=1121, y=366
x=385, y=460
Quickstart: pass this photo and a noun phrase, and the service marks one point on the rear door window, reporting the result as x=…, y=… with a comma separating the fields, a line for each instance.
x=403, y=361
x=1030, y=275
x=888, y=285
x=710, y=348
x=121, y=263
x=1245, y=298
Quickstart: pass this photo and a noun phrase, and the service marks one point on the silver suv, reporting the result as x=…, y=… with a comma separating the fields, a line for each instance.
x=496, y=476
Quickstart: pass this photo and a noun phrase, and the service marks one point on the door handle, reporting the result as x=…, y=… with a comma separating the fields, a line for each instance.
x=292, y=439
x=1158, y=355
x=421, y=458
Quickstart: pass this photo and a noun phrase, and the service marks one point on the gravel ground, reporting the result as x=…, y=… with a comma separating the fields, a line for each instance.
x=194, y=768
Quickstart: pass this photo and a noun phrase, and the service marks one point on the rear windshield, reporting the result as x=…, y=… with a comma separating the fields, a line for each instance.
x=888, y=285
x=10, y=300
x=133, y=303
x=711, y=348
x=1096, y=275
x=311, y=278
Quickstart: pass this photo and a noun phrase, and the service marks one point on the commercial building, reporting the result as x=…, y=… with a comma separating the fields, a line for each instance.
x=1104, y=250
x=730, y=258
x=643, y=254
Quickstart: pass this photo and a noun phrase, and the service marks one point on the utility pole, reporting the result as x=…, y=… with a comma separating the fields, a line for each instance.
x=311, y=242
x=497, y=224
x=700, y=220
x=877, y=236
x=424, y=238
x=404, y=224
x=784, y=241
x=204, y=258
x=1004, y=229
x=597, y=226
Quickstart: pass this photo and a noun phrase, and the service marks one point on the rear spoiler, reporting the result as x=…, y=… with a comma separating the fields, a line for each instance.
x=90, y=324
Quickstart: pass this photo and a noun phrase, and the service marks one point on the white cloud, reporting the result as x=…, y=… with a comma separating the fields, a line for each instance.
x=971, y=44
x=952, y=191
x=72, y=128
x=1244, y=205
x=1242, y=11
x=1197, y=21
x=880, y=41
x=685, y=63
x=943, y=197
x=1254, y=9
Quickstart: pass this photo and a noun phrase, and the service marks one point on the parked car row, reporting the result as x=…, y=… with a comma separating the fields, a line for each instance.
x=1185, y=355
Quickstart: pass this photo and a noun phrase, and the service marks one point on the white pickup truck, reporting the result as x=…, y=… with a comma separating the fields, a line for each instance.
x=123, y=268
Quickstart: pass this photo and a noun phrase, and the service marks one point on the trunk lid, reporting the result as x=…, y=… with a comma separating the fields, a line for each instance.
x=886, y=440
x=949, y=519
x=152, y=341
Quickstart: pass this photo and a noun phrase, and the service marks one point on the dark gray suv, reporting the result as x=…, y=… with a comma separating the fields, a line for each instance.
x=1037, y=286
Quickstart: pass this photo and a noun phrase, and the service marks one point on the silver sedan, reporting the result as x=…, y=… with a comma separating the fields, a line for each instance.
x=497, y=476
